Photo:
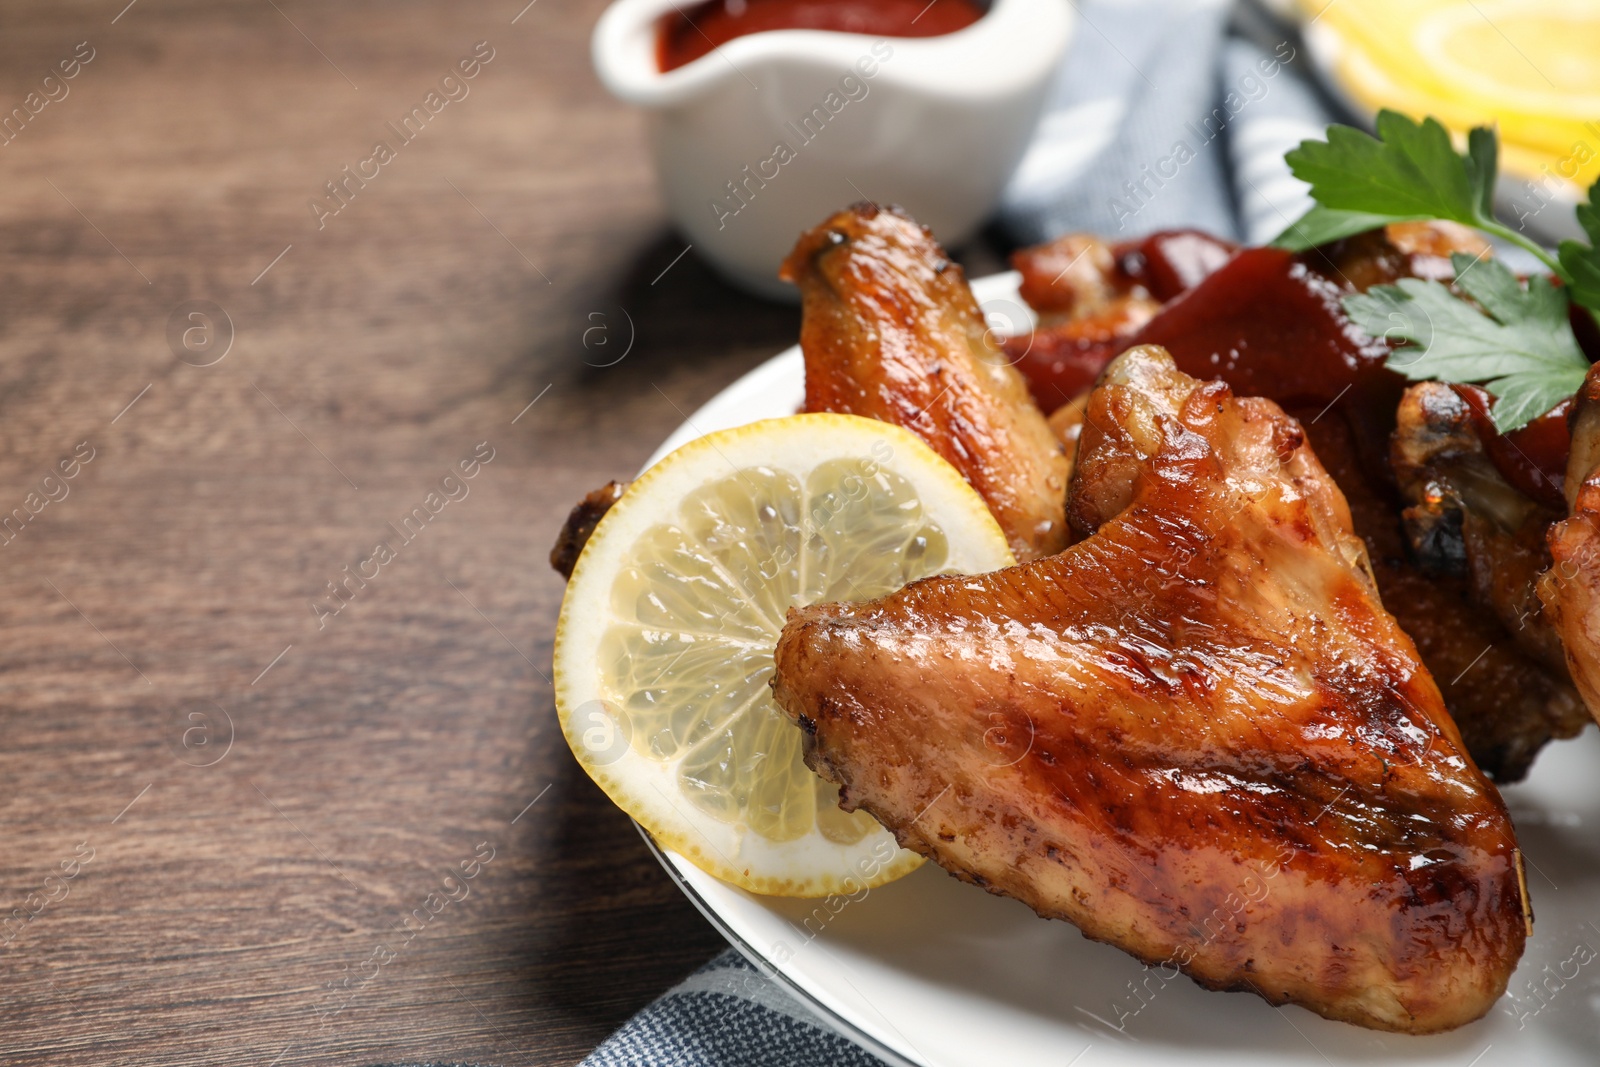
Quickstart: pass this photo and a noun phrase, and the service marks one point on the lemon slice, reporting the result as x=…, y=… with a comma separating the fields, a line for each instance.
x=1537, y=56
x=664, y=646
x=1527, y=65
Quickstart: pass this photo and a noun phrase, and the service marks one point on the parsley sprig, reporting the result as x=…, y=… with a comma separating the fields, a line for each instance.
x=1580, y=262
x=1520, y=345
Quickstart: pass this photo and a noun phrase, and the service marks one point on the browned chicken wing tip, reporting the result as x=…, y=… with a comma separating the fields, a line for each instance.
x=891, y=331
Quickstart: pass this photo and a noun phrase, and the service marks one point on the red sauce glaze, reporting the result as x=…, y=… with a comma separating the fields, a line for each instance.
x=1060, y=362
x=686, y=36
x=1063, y=360
x=1587, y=332
x=1534, y=458
x=1268, y=325
x=1171, y=262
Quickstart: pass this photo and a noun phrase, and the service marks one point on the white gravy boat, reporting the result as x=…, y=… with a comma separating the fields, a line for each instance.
x=772, y=132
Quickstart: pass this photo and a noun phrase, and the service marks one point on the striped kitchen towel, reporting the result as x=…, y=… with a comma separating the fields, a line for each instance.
x=728, y=1014
x=1167, y=114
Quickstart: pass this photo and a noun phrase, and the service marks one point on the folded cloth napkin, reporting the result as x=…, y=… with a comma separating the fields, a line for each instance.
x=728, y=1014
x=1165, y=114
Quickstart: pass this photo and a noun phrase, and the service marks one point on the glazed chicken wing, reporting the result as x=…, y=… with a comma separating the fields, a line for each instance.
x=1271, y=324
x=580, y=524
x=1197, y=734
x=1570, y=589
x=891, y=331
x=1462, y=517
x=1507, y=704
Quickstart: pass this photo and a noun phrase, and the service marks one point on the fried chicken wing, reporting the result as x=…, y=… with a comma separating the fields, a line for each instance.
x=1400, y=250
x=1197, y=734
x=1570, y=589
x=1463, y=517
x=1272, y=324
x=891, y=331
x=1506, y=704
x=585, y=516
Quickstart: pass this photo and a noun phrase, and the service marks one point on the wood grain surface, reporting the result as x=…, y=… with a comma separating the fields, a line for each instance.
x=222, y=808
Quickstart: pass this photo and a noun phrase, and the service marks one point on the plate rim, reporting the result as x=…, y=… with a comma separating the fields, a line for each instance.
x=826, y=1016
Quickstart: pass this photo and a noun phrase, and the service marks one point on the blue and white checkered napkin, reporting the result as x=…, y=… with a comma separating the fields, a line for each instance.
x=1166, y=114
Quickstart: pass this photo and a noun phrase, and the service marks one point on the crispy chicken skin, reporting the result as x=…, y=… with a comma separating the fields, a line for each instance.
x=1401, y=250
x=1197, y=734
x=1462, y=516
x=580, y=524
x=891, y=331
x=1570, y=589
x=1075, y=278
x=1506, y=704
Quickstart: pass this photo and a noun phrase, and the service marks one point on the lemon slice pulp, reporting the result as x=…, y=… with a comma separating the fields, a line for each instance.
x=1538, y=55
x=664, y=648
x=1528, y=66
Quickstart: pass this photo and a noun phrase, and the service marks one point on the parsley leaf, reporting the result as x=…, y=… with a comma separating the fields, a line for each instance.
x=1520, y=345
x=1323, y=224
x=1523, y=350
x=1409, y=172
x=1582, y=262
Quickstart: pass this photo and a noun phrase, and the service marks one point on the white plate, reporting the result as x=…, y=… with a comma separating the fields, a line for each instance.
x=928, y=972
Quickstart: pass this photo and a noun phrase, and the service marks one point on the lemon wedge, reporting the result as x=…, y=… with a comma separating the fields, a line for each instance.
x=1528, y=65
x=665, y=641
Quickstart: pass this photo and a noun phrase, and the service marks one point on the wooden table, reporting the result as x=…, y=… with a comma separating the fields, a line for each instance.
x=224, y=805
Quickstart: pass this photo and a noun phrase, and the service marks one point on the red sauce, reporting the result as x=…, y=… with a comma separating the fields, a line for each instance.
x=1171, y=262
x=688, y=35
x=1534, y=458
x=1268, y=325
x=1063, y=360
